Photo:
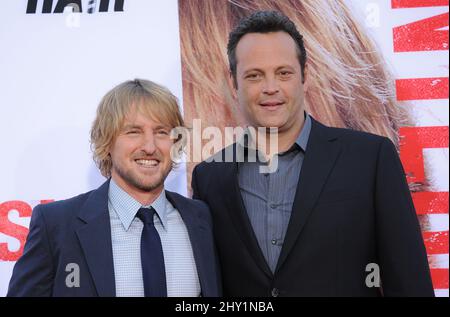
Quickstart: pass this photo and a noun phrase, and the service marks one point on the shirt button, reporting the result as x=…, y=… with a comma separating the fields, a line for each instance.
x=274, y=241
x=273, y=206
x=275, y=292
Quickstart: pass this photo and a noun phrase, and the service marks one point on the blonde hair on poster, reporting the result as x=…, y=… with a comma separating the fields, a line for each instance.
x=349, y=82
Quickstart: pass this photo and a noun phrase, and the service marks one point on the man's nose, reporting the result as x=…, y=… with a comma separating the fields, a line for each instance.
x=148, y=143
x=271, y=86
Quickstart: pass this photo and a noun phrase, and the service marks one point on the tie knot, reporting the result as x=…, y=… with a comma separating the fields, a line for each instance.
x=146, y=215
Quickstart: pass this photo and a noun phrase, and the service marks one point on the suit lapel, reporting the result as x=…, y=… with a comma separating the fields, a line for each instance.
x=320, y=157
x=234, y=204
x=196, y=235
x=95, y=239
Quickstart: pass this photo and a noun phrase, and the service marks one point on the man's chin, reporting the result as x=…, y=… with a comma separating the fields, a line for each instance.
x=142, y=181
x=267, y=124
x=149, y=187
x=145, y=185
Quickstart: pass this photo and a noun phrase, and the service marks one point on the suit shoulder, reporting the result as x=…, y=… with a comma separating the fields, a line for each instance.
x=193, y=205
x=354, y=135
x=187, y=202
x=62, y=208
x=357, y=138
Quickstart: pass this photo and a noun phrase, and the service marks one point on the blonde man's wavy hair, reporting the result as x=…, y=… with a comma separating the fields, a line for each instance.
x=151, y=99
x=349, y=83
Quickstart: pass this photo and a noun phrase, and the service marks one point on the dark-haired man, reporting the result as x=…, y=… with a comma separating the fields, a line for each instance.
x=335, y=217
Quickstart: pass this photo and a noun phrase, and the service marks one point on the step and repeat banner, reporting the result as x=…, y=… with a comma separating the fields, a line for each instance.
x=377, y=66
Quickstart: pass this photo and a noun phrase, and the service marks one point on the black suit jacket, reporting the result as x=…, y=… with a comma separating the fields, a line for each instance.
x=352, y=207
x=78, y=231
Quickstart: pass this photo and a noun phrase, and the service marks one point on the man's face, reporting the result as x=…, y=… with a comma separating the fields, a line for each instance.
x=269, y=81
x=141, y=154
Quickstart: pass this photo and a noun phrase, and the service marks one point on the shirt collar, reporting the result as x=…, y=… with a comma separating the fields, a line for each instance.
x=126, y=206
x=303, y=137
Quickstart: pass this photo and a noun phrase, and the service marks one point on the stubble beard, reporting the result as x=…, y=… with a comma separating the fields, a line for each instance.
x=139, y=182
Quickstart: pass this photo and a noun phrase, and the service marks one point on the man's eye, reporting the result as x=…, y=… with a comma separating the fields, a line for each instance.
x=285, y=73
x=132, y=132
x=253, y=76
x=162, y=132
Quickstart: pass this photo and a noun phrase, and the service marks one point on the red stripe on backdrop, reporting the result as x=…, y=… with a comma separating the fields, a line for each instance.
x=423, y=35
x=422, y=88
x=440, y=278
x=430, y=202
x=397, y=4
x=412, y=142
x=436, y=242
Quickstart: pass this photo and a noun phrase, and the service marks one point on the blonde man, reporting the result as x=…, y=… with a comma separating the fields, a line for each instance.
x=129, y=237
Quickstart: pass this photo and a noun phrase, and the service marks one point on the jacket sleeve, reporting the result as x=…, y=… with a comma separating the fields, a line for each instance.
x=196, y=195
x=33, y=273
x=194, y=184
x=403, y=260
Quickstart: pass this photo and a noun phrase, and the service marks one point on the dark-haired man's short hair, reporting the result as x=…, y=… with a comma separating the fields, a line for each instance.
x=264, y=22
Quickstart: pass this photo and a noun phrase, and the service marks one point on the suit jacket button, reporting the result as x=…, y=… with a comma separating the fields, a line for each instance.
x=275, y=292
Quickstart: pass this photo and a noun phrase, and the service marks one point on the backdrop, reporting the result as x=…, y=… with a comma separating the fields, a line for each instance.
x=59, y=57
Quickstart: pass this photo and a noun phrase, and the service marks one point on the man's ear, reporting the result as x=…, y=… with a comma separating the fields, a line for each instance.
x=233, y=81
x=305, y=81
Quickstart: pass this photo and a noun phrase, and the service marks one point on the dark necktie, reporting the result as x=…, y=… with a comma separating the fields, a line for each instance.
x=152, y=257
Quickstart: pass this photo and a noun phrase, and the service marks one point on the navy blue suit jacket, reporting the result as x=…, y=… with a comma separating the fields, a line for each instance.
x=78, y=231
